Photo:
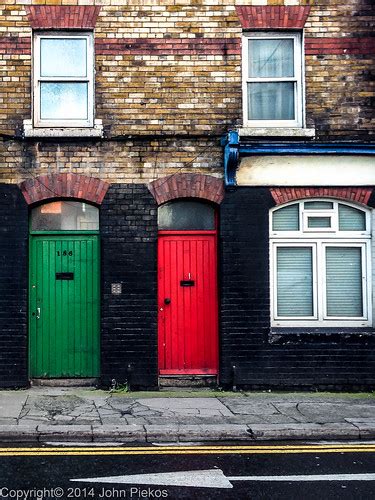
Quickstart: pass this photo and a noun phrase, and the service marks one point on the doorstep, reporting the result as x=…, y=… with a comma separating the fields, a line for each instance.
x=64, y=382
x=170, y=382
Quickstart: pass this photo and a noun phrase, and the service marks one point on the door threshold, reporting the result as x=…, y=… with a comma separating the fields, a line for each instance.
x=169, y=382
x=64, y=382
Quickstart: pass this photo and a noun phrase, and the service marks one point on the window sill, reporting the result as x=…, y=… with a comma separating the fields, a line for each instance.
x=30, y=131
x=307, y=133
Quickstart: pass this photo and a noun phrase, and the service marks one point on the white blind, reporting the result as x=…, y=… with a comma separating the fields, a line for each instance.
x=351, y=219
x=286, y=219
x=294, y=281
x=344, y=281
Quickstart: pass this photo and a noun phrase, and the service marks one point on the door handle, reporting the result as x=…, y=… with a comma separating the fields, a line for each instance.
x=38, y=313
x=167, y=301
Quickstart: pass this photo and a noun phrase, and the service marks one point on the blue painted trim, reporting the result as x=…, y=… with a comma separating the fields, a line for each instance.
x=233, y=149
x=231, y=157
x=333, y=149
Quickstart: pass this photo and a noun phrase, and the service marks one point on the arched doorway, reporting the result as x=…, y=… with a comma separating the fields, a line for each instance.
x=64, y=290
x=187, y=288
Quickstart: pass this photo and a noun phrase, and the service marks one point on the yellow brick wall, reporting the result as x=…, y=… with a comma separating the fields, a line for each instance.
x=177, y=98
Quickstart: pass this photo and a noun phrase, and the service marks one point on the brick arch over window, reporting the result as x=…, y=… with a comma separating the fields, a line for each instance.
x=52, y=186
x=62, y=16
x=358, y=194
x=187, y=186
x=273, y=16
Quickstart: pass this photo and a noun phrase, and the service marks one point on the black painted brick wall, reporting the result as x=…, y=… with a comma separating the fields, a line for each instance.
x=13, y=287
x=128, y=221
x=276, y=359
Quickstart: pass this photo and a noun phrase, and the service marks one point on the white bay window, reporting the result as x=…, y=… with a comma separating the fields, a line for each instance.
x=320, y=264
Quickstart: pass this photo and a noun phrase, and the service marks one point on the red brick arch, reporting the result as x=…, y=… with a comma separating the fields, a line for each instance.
x=273, y=16
x=52, y=186
x=356, y=194
x=62, y=16
x=175, y=186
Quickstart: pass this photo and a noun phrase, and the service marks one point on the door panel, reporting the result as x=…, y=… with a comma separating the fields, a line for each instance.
x=64, y=306
x=188, y=325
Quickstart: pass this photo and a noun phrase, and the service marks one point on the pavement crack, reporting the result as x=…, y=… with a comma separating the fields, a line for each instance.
x=299, y=410
x=222, y=401
x=98, y=413
x=251, y=433
x=284, y=414
x=24, y=410
x=356, y=426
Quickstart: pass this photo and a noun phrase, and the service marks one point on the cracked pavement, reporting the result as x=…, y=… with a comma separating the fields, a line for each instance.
x=91, y=415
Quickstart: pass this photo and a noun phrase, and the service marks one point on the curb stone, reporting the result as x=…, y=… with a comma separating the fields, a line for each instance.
x=280, y=432
x=133, y=433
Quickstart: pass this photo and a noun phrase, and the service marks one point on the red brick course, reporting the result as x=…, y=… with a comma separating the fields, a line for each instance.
x=342, y=45
x=272, y=16
x=201, y=46
x=356, y=194
x=167, y=46
x=74, y=186
x=15, y=45
x=187, y=186
x=62, y=16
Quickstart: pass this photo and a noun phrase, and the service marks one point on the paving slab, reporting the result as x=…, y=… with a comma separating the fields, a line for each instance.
x=11, y=403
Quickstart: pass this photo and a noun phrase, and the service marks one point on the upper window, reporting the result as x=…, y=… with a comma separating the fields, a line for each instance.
x=272, y=79
x=63, y=79
x=320, y=264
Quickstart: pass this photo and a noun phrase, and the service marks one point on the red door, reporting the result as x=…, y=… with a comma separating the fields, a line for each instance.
x=187, y=301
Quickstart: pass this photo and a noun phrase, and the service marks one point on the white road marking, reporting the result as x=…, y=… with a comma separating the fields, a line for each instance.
x=317, y=477
x=215, y=478
x=211, y=478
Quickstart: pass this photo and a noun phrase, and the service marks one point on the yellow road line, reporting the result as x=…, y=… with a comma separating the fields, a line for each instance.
x=185, y=450
x=190, y=447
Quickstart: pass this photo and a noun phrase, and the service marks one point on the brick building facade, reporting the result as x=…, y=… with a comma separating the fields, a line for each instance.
x=245, y=106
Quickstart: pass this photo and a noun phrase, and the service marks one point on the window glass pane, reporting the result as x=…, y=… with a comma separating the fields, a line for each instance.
x=318, y=205
x=271, y=58
x=351, y=219
x=66, y=101
x=286, y=219
x=63, y=57
x=65, y=215
x=294, y=281
x=344, y=281
x=186, y=215
x=319, y=222
x=271, y=101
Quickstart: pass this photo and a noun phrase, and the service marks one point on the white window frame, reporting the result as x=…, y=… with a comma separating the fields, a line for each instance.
x=297, y=37
x=319, y=241
x=89, y=79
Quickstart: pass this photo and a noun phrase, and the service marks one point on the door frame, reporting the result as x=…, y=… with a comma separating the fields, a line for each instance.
x=190, y=372
x=36, y=234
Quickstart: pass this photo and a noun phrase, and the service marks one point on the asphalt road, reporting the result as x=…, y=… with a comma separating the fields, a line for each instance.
x=310, y=471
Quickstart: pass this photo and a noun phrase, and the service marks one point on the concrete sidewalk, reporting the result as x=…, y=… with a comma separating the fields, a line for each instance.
x=84, y=415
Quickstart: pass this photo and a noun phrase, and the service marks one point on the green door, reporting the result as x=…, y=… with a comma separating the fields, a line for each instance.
x=64, y=306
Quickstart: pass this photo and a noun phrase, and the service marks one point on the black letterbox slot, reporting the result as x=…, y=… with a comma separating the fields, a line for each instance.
x=187, y=283
x=65, y=276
